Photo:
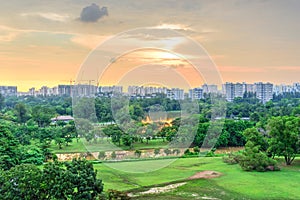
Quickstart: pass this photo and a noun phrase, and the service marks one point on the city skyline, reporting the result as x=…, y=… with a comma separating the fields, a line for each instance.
x=264, y=92
x=249, y=41
x=219, y=87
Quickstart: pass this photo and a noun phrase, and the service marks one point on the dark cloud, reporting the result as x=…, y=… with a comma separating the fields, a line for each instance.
x=93, y=13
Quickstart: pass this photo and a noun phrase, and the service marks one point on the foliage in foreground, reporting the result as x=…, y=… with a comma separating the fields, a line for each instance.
x=232, y=158
x=285, y=137
x=74, y=180
x=254, y=157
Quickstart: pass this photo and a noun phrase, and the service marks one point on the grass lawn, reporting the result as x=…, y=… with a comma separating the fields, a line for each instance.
x=233, y=184
x=83, y=146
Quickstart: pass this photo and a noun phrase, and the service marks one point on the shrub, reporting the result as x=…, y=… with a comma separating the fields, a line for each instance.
x=196, y=149
x=156, y=151
x=167, y=151
x=187, y=152
x=113, y=155
x=115, y=194
x=138, y=153
x=176, y=151
x=255, y=160
x=210, y=154
x=232, y=158
x=101, y=155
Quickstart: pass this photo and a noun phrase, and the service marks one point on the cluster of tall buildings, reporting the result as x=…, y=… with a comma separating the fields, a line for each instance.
x=263, y=91
x=282, y=88
x=62, y=90
x=8, y=90
x=148, y=92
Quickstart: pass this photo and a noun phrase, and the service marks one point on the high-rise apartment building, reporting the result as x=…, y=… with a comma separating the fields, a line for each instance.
x=8, y=90
x=196, y=93
x=233, y=90
x=209, y=88
x=264, y=91
x=175, y=93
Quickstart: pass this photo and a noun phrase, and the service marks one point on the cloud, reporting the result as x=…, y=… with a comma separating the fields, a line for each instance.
x=8, y=34
x=241, y=69
x=48, y=15
x=88, y=41
x=287, y=68
x=93, y=13
x=177, y=27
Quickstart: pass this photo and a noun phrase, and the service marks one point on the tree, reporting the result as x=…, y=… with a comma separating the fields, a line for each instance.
x=103, y=109
x=69, y=132
x=114, y=132
x=284, y=133
x=253, y=157
x=84, y=128
x=136, y=112
x=201, y=133
x=31, y=154
x=21, y=113
x=85, y=108
x=1, y=101
x=149, y=133
x=72, y=180
x=46, y=135
x=24, y=133
x=128, y=140
x=22, y=182
x=42, y=115
x=9, y=148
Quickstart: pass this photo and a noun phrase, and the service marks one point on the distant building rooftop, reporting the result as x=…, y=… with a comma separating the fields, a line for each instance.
x=66, y=118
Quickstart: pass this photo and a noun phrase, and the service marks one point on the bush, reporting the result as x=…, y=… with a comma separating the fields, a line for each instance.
x=167, y=151
x=196, y=149
x=207, y=154
x=187, y=152
x=115, y=194
x=101, y=155
x=113, y=155
x=176, y=151
x=255, y=160
x=156, y=151
x=138, y=153
x=232, y=159
x=210, y=154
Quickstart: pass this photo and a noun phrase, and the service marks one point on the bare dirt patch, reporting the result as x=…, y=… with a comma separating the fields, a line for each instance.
x=157, y=190
x=205, y=174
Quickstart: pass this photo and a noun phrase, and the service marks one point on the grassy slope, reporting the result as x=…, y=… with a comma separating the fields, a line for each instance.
x=83, y=146
x=234, y=183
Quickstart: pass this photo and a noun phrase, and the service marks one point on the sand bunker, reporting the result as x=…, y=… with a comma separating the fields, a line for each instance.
x=157, y=190
x=205, y=174
x=167, y=188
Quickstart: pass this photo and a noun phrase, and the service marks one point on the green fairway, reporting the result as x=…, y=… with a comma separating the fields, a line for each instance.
x=233, y=184
x=104, y=145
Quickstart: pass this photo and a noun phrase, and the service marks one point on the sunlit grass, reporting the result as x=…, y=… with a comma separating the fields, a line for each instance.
x=234, y=183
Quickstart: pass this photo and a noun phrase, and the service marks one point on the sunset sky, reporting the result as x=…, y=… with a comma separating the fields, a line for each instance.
x=248, y=40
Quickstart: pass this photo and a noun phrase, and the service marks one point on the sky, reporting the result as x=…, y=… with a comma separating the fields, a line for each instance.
x=237, y=40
